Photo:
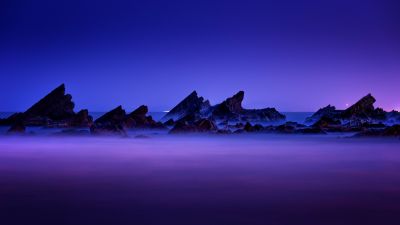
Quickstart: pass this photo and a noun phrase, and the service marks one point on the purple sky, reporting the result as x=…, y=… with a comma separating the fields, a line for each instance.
x=293, y=55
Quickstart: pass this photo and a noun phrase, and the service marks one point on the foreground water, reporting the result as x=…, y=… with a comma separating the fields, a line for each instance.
x=236, y=179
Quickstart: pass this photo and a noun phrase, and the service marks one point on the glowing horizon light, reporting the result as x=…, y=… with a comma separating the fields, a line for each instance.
x=166, y=111
x=347, y=104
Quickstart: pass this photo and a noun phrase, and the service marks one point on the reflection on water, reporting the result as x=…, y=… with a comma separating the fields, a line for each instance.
x=255, y=179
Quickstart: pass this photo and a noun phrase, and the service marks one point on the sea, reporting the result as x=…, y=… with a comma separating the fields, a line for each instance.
x=239, y=179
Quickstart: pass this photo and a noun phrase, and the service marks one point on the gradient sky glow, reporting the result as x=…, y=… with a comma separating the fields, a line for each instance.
x=293, y=55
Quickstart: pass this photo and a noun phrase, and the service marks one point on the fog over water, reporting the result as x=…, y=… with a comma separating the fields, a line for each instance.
x=209, y=179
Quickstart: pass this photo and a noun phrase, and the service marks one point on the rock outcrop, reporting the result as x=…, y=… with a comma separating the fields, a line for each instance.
x=117, y=121
x=327, y=112
x=363, y=111
x=192, y=104
x=111, y=122
x=193, y=108
x=231, y=110
x=139, y=119
x=54, y=110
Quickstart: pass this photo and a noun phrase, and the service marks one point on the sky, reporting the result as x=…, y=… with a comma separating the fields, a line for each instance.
x=292, y=55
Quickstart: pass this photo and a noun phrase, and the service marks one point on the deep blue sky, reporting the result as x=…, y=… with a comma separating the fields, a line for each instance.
x=294, y=55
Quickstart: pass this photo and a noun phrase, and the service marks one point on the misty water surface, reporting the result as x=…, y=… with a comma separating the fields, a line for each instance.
x=235, y=179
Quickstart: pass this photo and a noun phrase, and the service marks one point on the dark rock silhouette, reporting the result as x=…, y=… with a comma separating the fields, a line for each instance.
x=117, y=121
x=231, y=109
x=111, y=122
x=139, y=119
x=327, y=112
x=56, y=109
x=194, y=108
x=82, y=119
x=363, y=111
x=192, y=104
x=56, y=106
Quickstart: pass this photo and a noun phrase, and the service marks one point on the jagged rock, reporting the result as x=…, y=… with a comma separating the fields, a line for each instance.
x=364, y=108
x=192, y=104
x=110, y=123
x=82, y=119
x=326, y=112
x=139, y=119
x=17, y=128
x=363, y=111
x=54, y=110
x=231, y=110
x=56, y=106
x=115, y=116
x=194, y=108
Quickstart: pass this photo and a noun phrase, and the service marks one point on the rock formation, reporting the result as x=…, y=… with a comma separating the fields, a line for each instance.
x=363, y=111
x=192, y=104
x=55, y=110
x=231, y=110
x=111, y=122
x=194, y=108
x=117, y=121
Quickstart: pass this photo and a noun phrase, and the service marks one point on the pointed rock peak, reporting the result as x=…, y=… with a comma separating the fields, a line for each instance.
x=194, y=93
x=191, y=104
x=117, y=114
x=141, y=110
x=55, y=105
x=363, y=108
x=118, y=108
x=239, y=95
x=234, y=103
x=367, y=102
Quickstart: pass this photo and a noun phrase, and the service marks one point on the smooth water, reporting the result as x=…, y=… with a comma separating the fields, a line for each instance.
x=204, y=180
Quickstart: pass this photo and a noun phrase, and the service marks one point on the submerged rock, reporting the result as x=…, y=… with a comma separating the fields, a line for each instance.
x=392, y=131
x=200, y=126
